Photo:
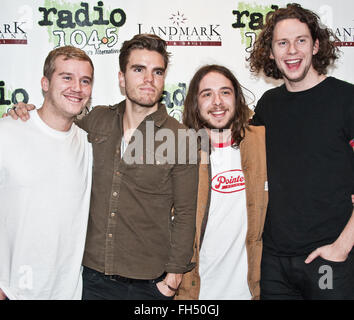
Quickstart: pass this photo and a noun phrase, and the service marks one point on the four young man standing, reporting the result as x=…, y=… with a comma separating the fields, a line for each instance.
x=134, y=248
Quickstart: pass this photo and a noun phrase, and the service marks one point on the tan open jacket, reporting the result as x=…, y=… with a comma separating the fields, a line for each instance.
x=253, y=162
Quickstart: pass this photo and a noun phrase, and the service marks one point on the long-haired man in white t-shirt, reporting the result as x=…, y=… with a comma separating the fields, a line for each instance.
x=232, y=194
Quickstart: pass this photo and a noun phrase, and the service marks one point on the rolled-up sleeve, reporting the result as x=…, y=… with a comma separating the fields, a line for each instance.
x=185, y=184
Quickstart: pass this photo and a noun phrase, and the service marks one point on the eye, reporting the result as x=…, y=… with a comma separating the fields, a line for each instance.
x=206, y=94
x=160, y=72
x=68, y=78
x=282, y=43
x=86, y=81
x=226, y=92
x=138, y=69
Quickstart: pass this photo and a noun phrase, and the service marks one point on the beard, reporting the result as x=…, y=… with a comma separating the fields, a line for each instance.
x=207, y=124
x=298, y=79
x=146, y=102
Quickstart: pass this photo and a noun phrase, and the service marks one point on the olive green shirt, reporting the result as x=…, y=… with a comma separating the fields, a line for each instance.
x=131, y=230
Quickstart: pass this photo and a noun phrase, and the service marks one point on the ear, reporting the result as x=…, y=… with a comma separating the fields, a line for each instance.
x=271, y=56
x=316, y=47
x=121, y=79
x=45, y=84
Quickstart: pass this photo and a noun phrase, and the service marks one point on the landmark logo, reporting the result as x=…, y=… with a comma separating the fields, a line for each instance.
x=13, y=33
x=345, y=36
x=179, y=31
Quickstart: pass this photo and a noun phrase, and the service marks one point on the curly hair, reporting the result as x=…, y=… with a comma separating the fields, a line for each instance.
x=260, y=56
x=191, y=116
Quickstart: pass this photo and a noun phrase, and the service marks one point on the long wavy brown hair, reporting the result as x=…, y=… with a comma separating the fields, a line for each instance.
x=191, y=116
x=260, y=56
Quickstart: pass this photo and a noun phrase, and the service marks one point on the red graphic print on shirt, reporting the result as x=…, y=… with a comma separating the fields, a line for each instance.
x=228, y=181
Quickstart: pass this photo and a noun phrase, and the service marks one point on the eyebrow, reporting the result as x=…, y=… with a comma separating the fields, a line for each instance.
x=301, y=36
x=70, y=74
x=137, y=66
x=144, y=67
x=209, y=89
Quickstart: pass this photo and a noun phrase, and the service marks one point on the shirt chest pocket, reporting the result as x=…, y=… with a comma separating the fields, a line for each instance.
x=100, y=148
x=155, y=178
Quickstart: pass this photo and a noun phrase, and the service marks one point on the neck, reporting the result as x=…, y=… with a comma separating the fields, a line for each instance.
x=311, y=80
x=55, y=121
x=220, y=137
x=134, y=114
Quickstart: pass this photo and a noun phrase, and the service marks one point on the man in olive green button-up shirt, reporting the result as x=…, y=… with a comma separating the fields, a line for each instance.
x=131, y=231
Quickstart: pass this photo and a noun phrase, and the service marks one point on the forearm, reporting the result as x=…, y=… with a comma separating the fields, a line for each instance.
x=346, y=238
x=182, y=239
x=185, y=184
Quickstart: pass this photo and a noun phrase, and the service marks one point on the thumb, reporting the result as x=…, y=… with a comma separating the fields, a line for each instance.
x=312, y=256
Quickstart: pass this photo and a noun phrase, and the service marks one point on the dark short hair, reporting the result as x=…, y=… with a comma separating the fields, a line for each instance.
x=69, y=52
x=142, y=41
x=260, y=56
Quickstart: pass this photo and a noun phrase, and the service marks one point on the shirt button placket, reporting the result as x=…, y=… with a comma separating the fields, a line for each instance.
x=112, y=217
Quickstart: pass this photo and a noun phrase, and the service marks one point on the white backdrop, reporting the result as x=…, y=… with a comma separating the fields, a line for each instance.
x=198, y=32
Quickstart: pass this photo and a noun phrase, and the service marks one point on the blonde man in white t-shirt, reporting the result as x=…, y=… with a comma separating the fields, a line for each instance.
x=45, y=185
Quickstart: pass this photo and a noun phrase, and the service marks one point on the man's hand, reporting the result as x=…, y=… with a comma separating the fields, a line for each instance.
x=172, y=280
x=2, y=295
x=20, y=110
x=332, y=252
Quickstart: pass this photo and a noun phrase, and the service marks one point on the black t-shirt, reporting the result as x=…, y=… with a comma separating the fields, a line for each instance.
x=310, y=165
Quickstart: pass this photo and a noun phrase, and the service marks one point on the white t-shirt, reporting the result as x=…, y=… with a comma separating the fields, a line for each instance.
x=223, y=256
x=45, y=186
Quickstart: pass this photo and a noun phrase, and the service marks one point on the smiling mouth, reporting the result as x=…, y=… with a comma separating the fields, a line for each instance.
x=218, y=113
x=73, y=99
x=293, y=64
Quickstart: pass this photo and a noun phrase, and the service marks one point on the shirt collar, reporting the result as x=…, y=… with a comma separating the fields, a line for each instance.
x=159, y=116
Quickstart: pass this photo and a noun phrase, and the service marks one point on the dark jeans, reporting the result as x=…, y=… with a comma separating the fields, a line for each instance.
x=97, y=286
x=289, y=278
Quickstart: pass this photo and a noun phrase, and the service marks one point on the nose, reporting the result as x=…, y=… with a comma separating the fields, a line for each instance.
x=292, y=49
x=76, y=85
x=148, y=77
x=217, y=100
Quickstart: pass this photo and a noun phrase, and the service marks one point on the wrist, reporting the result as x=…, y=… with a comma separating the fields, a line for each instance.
x=169, y=287
x=172, y=281
x=343, y=246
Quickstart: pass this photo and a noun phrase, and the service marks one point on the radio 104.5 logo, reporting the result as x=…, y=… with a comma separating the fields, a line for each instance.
x=250, y=19
x=94, y=30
